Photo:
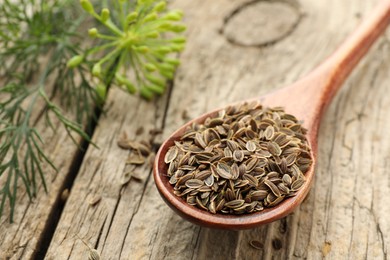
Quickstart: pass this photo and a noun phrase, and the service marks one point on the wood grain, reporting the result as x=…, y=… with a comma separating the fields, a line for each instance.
x=346, y=213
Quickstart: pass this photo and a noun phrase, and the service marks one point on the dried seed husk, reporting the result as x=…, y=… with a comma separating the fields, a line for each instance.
x=172, y=168
x=283, y=165
x=253, y=125
x=187, y=168
x=241, y=183
x=234, y=204
x=291, y=159
x=124, y=144
x=250, y=133
x=224, y=171
x=209, y=181
x=256, y=244
x=212, y=207
x=93, y=255
x=181, y=181
x=194, y=183
x=251, y=146
x=258, y=195
x=251, y=206
x=287, y=179
x=273, y=166
x=274, y=202
x=242, y=169
x=251, y=164
x=135, y=159
x=179, y=173
x=229, y=195
x=240, y=132
x=274, y=148
x=297, y=184
x=144, y=149
x=191, y=200
x=261, y=162
x=205, y=156
x=283, y=188
x=232, y=145
x=184, y=159
x=204, y=195
x=173, y=180
x=204, y=188
x=252, y=180
x=95, y=200
x=221, y=130
x=286, y=131
x=295, y=171
x=235, y=171
x=189, y=134
x=271, y=175
x=304, y=167
x=227, y=152
x=303, y=160
x=171, y=154
x=238, y=155
x=269, y=132
x=272, y=187
x=220, y=205
x=215, y=122
x=263, y=154
x=202, y=175
x=199, y=203
x=199, y=140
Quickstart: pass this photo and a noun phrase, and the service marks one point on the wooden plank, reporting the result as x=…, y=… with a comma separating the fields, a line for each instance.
x=102, y=175
x=344, y=216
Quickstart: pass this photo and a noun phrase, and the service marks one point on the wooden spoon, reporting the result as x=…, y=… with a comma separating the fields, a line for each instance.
x=307, y=99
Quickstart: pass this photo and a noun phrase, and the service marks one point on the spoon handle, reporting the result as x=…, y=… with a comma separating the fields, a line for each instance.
x=341, y=63
x=316, y=90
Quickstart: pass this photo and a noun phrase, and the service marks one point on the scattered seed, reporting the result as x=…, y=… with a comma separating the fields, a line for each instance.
x=93, y=255
x=95, y=200
x=256, y=244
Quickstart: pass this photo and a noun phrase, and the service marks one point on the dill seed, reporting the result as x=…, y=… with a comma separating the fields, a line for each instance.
x=243, y=159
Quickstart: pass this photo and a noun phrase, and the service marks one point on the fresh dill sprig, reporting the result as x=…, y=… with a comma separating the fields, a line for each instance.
x=30, y=32
x=132, y=49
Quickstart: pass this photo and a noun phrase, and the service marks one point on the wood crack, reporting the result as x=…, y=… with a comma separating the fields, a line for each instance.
x=58, y=206
x=196, y=244
x=100, y=233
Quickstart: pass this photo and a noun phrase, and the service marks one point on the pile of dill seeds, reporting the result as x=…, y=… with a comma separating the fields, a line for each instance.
x=243, y=160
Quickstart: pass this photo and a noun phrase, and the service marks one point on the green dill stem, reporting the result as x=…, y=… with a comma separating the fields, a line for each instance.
x=102, y=47
x=141, y=68
x=121, y=14
x=107, y=37
x=134, y=65
x=110, y=55
x=108, y=24
x=121, y=62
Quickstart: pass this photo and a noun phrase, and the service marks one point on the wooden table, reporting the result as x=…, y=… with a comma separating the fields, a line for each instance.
x=345, y=216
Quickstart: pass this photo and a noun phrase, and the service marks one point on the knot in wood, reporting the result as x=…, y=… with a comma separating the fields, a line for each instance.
x=260, y=23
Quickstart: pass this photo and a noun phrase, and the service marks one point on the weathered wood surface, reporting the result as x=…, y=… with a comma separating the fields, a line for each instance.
x=345, y=215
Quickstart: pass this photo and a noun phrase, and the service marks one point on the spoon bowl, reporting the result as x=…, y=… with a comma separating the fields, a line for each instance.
x=307, y=100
